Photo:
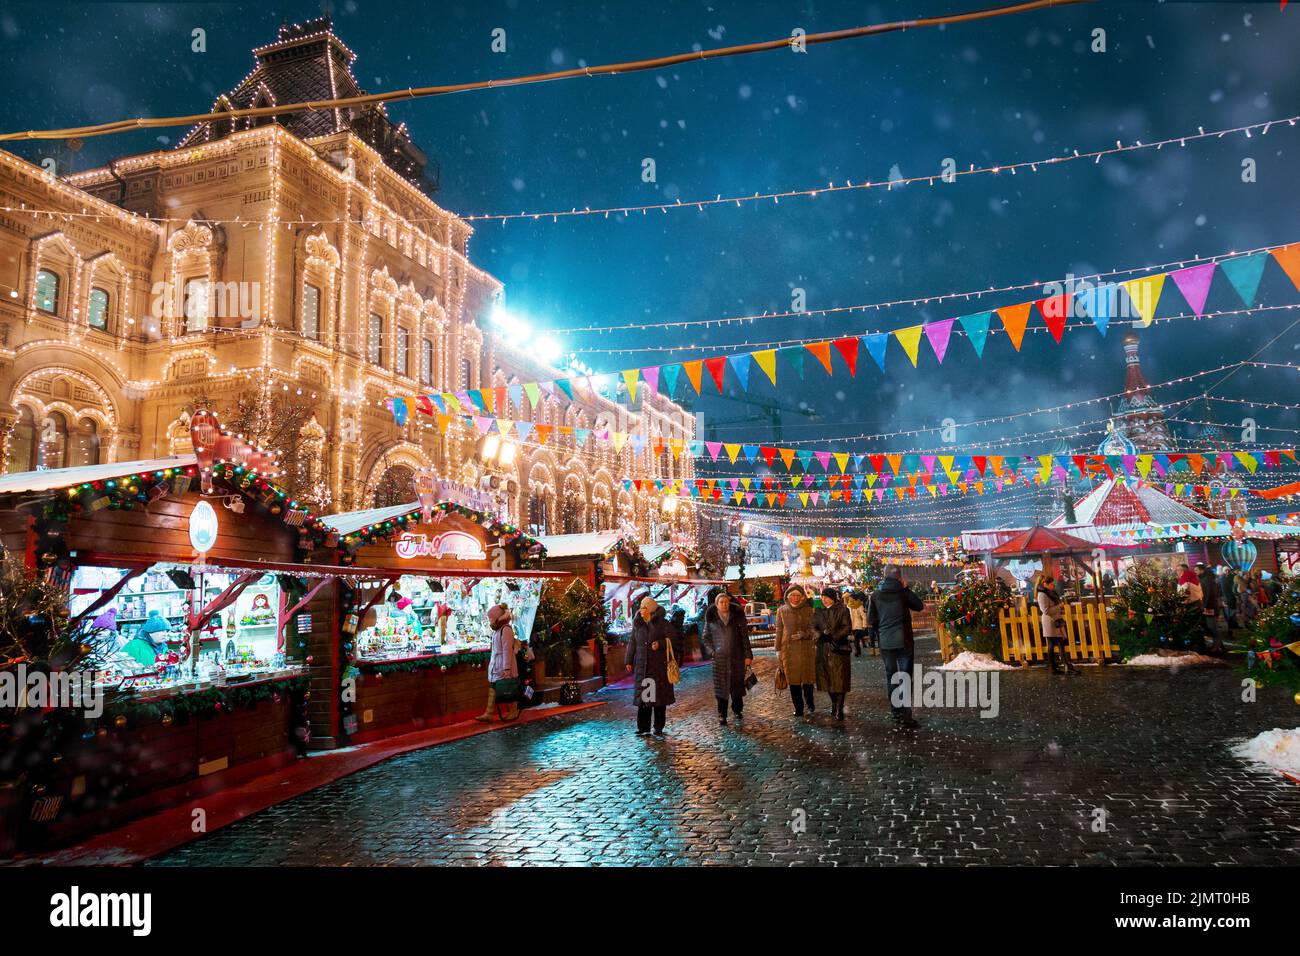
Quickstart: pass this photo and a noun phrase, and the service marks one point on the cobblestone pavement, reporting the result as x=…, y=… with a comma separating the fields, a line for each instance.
x=1148, y=746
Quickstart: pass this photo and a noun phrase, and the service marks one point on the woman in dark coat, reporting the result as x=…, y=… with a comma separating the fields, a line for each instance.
x=732, y=657
x=834, y=629
x=647, y=659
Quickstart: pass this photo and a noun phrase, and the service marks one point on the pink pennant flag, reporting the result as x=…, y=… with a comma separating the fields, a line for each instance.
x=1194, y=284
x=825, y=458
x=939, y=333
x=880, y=493
x=651, y=376
x=714, y=448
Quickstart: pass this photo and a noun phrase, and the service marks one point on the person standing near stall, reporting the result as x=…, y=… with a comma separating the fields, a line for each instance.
x=857, y=604
x=1052, y=620
x=890, y=617
x=648, y=652
x=729, y=634
x=833, y=628
x=503, y=670
x=796, y=649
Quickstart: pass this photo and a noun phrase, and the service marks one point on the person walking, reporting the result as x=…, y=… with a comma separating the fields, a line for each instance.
x=834, y=628
x=889, y=615
x=503, y=668
x=1228, y=594
x=796, y=649
x=1052, y=618
x=1247, y=606
x=856, y=602
x=1211, y=606
x=647, y=660
x=732, y=658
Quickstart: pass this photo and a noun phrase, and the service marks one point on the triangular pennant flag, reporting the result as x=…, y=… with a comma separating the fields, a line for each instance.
x=717, y=368
x=651, y=376
x=795, y=355
x=398, y=407
x=1098, y=303
x=1144, y=293
x=631, y=376
x=693, y=372
x=1288, y=257
x=1014, y=319
x=822, y=352
x=516, y=393
x=670, y=373
x=939, y=333
x=787, y=456
x=732, y=452
x=977, y=330
x=1055, y=310
x=564, y=385
x=740, y=364
x=875, y=346
x=1194, y=283
x=768, y=454
x=848, y=349
x=910, y=339
x=767, y=362
x=534, y=394
x=1244, y=273
x=714, y=448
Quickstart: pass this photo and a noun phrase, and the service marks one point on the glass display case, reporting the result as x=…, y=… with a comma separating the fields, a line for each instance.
x=423, y=615
x=149, y=646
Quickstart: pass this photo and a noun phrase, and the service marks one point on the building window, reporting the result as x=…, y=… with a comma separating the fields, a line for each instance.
x=196, y=305
x=54, y=441
x=426, y=362
x=83, y=445
x=376, y=354
x=97, y=316
x=22, y=443
x=465, y=368
x=310, y=312
x=47, y=291
x=403, y=351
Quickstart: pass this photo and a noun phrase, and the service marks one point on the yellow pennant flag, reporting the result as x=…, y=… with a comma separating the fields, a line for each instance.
x=1144, y=293
x=620, y=439
x=871, y=479
x=504, y=425
x=1247, y=459
x=803, y=496
x=677, y=445
x=910, y=339
x=1144, y=465
x=732, y=452
x=932, y=489
x=443, y=422
x=766, y=360
x=842, y=459
x=631, y=376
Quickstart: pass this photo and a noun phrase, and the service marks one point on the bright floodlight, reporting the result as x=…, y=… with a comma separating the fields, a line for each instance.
x=490, y=445
x=507, y=456
x=547, y=349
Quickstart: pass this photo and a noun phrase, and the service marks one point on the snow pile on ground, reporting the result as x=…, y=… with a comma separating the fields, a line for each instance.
x=1278, y=748
x=1171, y=659
x=971, y=661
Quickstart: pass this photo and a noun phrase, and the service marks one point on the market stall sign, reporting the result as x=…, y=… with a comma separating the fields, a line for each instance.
x=203, y=527
x=449, y=544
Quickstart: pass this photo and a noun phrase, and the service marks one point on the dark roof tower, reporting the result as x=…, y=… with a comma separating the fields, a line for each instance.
x=1140, y=418
x=308, y=62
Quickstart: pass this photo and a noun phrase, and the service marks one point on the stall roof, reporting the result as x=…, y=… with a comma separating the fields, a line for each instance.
x=1040, y=540
x=764, y=569
x=55, y=478
x=653, y=552
x=591, y=545
x=345, y=522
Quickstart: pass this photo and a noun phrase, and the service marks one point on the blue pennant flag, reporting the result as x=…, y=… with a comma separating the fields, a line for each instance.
x=1244, y=273
x=977, y=330
x=875, y=345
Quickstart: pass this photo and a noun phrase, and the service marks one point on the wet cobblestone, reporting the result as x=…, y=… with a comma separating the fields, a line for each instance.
x=1149, y=747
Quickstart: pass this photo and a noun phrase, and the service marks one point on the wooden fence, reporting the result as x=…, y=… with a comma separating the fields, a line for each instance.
x=1087, y=634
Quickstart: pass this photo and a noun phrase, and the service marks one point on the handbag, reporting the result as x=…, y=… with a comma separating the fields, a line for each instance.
x=570, y=694
x=674, y=672
x=751, y=679
x=781, y=682
x=507, y=689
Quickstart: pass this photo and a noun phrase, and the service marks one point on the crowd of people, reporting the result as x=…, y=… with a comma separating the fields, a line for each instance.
x=1227, y=600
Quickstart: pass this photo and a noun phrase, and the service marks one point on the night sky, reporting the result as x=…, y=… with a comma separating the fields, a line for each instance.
x=1018, y=88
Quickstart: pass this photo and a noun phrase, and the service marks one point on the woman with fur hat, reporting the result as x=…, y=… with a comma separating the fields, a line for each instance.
x=833, y=628
x=647, y=658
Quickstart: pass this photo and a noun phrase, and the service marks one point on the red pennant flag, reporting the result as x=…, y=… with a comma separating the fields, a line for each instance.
x=716, y=366
x=980, y=463
x=769, y=454
x=848, y=349
x=1055, y=310
x=877, y=462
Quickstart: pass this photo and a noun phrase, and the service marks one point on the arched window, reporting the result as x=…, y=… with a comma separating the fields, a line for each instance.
x=22, y=443
x=47, y=291
x=83, y=445
x=403, y=351
x=426, y=361
x=196, y=305
x=538, y=513
x=310, y=326
x=97, y=314
x=396, y=487
x=54, y=441
x=376, y=343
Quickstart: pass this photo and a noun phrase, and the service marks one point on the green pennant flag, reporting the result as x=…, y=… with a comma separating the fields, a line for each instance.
x=796, y=356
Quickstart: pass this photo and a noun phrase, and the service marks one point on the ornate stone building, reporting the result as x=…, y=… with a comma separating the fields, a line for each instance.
x=1140, y=418
x=300, y=268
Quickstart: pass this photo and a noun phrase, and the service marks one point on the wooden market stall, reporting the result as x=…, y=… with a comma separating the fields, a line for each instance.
x=202, y=661
x=416, y=581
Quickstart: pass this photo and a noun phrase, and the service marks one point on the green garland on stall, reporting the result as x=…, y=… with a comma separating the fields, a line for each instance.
x=531, y=550
x=461, y=658
x=204, y=703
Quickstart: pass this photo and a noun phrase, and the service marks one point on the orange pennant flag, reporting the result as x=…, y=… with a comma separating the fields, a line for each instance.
x=694, y=371
x=822, y=352
x=1288, y=257
x=1014, y=319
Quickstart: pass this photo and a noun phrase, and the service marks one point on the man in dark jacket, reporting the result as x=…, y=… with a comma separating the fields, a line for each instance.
x=890, y=618
x=1211, y=605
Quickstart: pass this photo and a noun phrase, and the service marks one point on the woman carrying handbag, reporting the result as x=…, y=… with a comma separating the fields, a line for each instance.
x=503, y=670
x=796, y=650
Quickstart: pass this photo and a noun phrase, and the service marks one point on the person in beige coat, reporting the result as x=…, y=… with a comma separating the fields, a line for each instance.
x=796, y=648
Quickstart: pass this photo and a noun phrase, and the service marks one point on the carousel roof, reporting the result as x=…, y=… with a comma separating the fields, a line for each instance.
x=1040, y=540
x=52, y=479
